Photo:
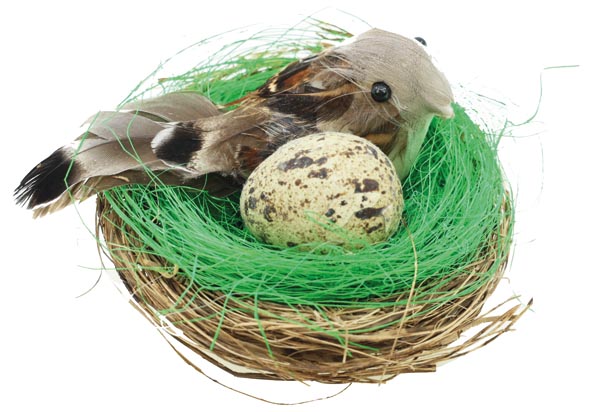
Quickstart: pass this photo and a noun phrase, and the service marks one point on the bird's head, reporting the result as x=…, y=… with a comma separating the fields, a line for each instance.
x=376, y=86
x=395, y=75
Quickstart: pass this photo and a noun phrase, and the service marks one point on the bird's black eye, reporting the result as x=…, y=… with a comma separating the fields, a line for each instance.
x=421, y=40
x=381, y=92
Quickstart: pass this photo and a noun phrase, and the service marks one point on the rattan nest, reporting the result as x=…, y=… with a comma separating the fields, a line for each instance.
x=277, y=344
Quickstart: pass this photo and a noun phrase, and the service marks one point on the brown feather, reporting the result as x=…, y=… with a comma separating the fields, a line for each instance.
x=115, y=150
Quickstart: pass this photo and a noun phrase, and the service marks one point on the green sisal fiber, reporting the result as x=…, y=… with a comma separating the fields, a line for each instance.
x=454, y=204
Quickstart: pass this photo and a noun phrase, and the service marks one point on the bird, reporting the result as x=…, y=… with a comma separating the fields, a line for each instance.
x=380, y=86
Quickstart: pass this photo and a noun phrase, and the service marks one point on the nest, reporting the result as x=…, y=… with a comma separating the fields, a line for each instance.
x=329, y=315
x=420, y=335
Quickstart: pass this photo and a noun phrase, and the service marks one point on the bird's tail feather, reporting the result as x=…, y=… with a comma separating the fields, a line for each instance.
x=115, y=150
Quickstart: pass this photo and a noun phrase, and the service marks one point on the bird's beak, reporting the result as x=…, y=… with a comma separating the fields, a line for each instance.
x=446, y=112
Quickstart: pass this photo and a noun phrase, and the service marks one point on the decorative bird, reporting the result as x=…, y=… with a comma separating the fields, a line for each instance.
x=380, y=86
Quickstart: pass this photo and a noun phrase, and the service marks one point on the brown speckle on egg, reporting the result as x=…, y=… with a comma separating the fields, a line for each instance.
x=320, y=174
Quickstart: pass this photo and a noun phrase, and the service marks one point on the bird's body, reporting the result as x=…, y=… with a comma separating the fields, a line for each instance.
x=381, y=86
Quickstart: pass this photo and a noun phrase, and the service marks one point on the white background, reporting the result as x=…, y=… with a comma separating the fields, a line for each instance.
x=62, y=62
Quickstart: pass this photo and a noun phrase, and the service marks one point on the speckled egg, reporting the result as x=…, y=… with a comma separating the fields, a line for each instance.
x=326, y=187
